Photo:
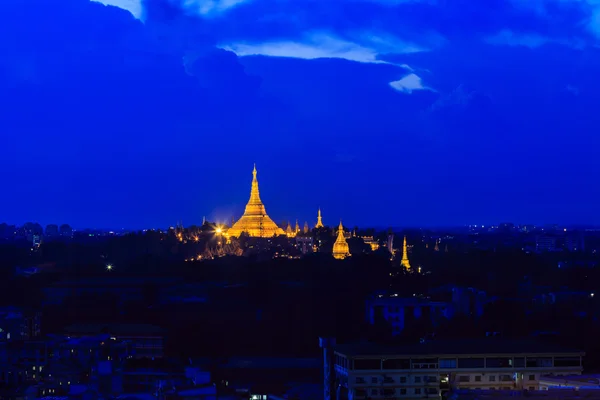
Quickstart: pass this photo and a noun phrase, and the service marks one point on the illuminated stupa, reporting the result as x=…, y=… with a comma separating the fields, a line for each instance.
x=404, y=262
x=319, y=220
x=340, y=247
x=255, y=220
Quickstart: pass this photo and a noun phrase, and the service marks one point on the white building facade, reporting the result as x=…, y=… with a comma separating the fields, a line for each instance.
x=430, y=369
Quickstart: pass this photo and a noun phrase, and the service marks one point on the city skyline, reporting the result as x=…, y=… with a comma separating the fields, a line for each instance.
x=418, y=113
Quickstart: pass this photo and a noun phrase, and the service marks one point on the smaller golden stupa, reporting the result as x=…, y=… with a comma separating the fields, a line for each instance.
x=340, y=247
x=319, y=220
x=404, y=262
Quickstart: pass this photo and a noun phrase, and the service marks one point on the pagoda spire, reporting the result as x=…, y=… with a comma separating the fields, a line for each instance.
x=306, y=229
x=404, y=262
x=320, y=220
x=297, y=227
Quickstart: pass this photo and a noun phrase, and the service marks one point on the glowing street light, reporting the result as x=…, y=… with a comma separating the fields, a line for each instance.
x=109, y=267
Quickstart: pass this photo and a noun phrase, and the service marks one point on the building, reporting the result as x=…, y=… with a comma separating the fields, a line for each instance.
x=147, y=341
x=400, y=312
x=52, y=230
x=545, y=243
x=431, y=369
x=404, y=262
x=341, y=249
x=575, y=382
x=19, y=324
x=305, y=243
x=370, y=240
x=255, y=221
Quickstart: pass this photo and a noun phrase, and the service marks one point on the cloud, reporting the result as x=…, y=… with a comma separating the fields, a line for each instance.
x=531, y=40
x=409, y=83
x=211, y=7
x=133, y=6
x=507, y=37
x=323, y=45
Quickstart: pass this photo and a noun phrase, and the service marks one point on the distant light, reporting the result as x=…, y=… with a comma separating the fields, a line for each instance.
x=592, y=294
x=219, y=231
x=564, y=230
x=109, y=267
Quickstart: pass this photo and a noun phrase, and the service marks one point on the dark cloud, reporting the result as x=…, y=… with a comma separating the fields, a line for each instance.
x=422, y=22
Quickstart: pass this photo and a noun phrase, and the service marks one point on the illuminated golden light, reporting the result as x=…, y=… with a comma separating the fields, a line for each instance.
x=109, y=267
x=340, y=247
x=319, y=220
x=255, y=220
x=289, y=232
x=404, y=262
x=219, y=230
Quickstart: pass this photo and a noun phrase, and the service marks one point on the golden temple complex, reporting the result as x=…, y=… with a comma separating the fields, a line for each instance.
x=340, y=247
x=404, y=262
x=319, y=220
x=255, y=220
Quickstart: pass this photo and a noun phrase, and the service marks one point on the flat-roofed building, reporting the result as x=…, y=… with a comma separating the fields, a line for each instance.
x=429, y=369
x=576, y=382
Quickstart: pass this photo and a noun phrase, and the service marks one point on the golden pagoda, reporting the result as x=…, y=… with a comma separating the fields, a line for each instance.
x=289, y=232
x=319, y=220
x=255, y=220
x=340, y=247
x=404, y=262
x=297, y=229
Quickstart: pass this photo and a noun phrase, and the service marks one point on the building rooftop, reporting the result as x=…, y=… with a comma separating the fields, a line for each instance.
x=454, y=347
x=115, y=329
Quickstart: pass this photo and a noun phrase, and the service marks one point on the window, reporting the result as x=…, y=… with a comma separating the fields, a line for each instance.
x=492, y=378
x=505, y=378
x=447, y=362
x=367, y=364
x=533, y=362
x=361, y=393
x=531, y=387
x=418, y=391
x=402, y=379
x=360, y=379
x=374, y=379
x=519, y=362
x=396, y=363
x=431, y=379
x=567, y=362
x=499, y=362
x=471, y=362
x=532, y=377
x=402, y=391
x=417, y=379
x=425, y=363
x=389, y=392
x=478, y=378
x=388, y=379
x=432, y=391
x=464, y=378
x=374, y=392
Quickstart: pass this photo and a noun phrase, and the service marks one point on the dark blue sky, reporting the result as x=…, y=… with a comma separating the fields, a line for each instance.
x=381, y=112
